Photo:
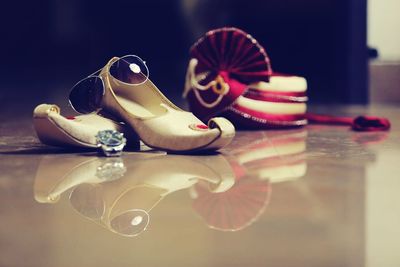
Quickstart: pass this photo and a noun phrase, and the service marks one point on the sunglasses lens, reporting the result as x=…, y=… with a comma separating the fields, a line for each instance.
x=86, y=96
x=130, y=69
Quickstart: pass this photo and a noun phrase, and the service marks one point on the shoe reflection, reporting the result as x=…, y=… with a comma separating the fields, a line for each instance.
x=229, y=192
x=119, y=193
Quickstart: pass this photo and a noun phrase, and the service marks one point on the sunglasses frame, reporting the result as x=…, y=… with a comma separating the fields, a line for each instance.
x=96, y=75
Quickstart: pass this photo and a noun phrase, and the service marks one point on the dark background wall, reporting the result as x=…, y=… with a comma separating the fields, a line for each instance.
x=48, y=45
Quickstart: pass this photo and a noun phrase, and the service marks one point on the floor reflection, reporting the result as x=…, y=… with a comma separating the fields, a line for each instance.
x=342, y=212
x=229, y=191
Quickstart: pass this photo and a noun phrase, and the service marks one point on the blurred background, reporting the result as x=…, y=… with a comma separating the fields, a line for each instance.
x=49, y=45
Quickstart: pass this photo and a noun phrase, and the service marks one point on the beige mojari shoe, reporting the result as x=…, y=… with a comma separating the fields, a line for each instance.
x=130, y=96
x=80, y=131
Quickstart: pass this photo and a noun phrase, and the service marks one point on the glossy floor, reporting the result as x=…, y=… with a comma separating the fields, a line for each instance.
x=317, y=196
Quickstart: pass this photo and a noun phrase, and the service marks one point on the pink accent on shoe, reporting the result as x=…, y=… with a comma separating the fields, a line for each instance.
x=202, y=126
x=198, y=127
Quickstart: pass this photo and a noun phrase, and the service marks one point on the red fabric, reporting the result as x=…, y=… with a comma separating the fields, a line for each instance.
x=361, y=123
x=274, y=96
x=327, y=119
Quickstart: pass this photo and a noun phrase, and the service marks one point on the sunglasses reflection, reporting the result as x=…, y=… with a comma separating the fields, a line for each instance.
x=228, y=191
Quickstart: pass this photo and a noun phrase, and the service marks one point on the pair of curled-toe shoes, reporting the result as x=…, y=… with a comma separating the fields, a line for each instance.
x=120, y=97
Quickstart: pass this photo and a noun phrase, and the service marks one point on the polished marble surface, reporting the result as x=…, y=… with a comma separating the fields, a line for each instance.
x=317, y=196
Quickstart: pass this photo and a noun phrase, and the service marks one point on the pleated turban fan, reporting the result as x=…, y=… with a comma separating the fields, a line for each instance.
x=230, y=75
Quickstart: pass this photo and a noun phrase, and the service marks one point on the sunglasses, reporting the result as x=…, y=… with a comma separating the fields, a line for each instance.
x=86, y=95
